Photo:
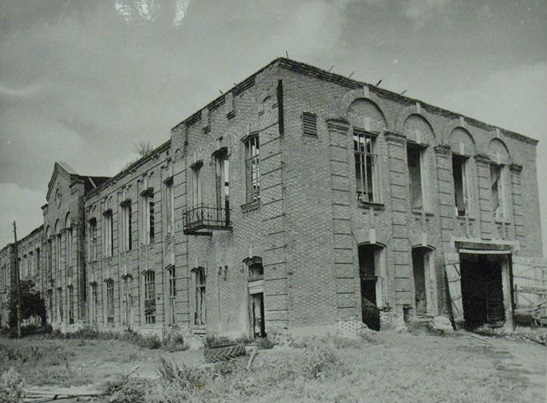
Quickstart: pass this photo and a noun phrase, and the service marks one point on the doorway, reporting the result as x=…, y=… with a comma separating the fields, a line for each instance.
x=482, y=289
x=370, y=262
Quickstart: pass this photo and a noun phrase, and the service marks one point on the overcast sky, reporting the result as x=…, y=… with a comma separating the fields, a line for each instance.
x=84, y=81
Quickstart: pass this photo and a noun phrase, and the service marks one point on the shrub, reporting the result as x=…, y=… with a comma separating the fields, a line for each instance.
x=264, y=343
x=174, y=342
x=127, y=390
x=319, y=357
x=215, y=341
x=11, y=387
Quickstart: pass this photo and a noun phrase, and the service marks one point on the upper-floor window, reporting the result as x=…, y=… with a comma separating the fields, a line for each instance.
x=498, y=194
x=169, y=207
x=150, y=297
x=126, y=235
x=222, y=182
x=148, y=217
x=366, y=166
x=416, y=171
x=196, y=183
x=252, y=168
x=309, y=123
x=108, y=238
x=460, y=172
x=93, y=239
x=38, y=257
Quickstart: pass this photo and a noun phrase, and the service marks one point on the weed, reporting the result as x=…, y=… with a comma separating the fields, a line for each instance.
x=215, y=341
x=127, y=390
x=11, y=387
x=264, y=343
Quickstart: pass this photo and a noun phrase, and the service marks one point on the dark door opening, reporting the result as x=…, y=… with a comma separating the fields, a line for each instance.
x=257, y=315
x=368, y=262
x=482, y=291
x=419, y=261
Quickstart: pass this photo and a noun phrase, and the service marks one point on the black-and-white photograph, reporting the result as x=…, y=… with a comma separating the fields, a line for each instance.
x=273, y=201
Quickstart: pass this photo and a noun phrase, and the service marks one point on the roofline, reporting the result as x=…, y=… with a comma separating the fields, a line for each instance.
x=31, y=233
x=126, y=171
x=325, y=75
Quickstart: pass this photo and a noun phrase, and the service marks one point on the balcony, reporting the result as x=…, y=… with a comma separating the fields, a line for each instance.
x=202, y=219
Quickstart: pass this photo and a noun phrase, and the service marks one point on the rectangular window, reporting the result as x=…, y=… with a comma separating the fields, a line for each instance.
x=92, y=239
x=196, y=183
x=60, y=304
x=222, y=176
x=58, y=251
x=108, y=238
x=126, y=241
x=416, y=171
x=149, y=297
x=199, y=314
x=496, y=184
x=148, y=219
x=172, y=295
x=70, y=304
x=94, y=303
x=68, y=250
x=366, y=166
x=38, y=257
x=169, y=208
x=110, y=301
x=252, y=168
x=461, y=184
x=309, y=123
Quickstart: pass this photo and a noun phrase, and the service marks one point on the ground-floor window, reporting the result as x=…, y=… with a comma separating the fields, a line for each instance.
x=172, y=295
x=200, y=316
x=70, y=290
x=150, y=297
x=93, y=304
x=60, y=304
x=110, y=301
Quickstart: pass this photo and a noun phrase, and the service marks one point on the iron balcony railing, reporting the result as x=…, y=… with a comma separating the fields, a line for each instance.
x=203, y=217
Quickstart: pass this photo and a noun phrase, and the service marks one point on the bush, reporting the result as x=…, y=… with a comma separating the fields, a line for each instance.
x=174, y=342
x=127, y=390
x=11, y=387
x=319, y=357
x=263, y=343
x=216, y=341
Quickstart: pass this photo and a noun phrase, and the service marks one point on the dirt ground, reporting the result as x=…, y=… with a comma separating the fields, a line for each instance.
x=406, y=367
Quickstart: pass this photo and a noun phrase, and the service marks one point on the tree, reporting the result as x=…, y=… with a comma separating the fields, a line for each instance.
x=32, y=303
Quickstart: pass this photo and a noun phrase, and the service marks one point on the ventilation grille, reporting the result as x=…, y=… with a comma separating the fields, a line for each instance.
x=309, y=123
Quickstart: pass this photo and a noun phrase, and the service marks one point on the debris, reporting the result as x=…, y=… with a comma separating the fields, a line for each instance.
x=251, y=359
x=441, y=325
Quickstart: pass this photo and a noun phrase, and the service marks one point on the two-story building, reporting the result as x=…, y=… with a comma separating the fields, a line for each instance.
x=288, y=204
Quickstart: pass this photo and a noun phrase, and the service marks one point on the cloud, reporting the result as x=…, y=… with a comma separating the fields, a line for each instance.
x=423, y=11
x=26, y=211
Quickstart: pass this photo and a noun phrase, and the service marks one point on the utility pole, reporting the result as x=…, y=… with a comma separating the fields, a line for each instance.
x=17, y=284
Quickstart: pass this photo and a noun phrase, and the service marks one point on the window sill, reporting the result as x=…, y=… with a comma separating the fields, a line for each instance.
x=420, y=212
x=371, y=205
x=254, y=205
x=498, y=222
x=465, y=217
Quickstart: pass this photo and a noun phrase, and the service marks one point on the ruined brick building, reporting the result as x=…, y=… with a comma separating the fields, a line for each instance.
x=284, y=204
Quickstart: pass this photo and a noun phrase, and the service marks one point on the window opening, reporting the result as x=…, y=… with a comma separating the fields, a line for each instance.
x=150, y=297
x=200, y=313
x=366, y=166
x=252, y=167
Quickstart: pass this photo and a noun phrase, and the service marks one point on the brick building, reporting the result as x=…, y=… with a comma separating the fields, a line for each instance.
x=289, y=203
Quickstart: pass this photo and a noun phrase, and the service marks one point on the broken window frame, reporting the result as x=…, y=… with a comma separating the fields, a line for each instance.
x=367, y=172
x=462, y=188
x=172, y=294
x=150, y=306
x=148, y=217
x=169, y=207
x=109, y=305
x=70, y=302
x=200, y=311
x=252, y=168
x=108, y=233
x=419, y=195
x=92, y=239
x=126, y=233
x=497, y=188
